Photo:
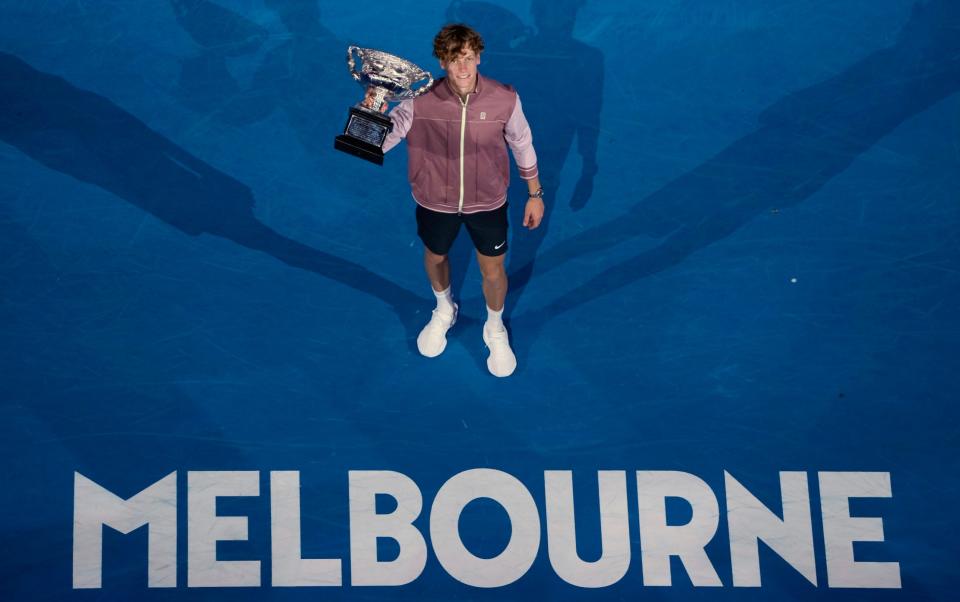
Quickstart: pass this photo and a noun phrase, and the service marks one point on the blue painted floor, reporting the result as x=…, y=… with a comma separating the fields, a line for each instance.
x=750, y=263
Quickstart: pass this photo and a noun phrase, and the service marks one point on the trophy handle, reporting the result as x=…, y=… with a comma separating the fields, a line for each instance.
x=351, y=63
x=425, y=87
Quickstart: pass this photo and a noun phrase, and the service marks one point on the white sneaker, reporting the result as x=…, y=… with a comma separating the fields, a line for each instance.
x=502, y=362
x=433, y=338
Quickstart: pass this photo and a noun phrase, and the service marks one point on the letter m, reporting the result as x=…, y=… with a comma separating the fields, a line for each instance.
x=94, y=507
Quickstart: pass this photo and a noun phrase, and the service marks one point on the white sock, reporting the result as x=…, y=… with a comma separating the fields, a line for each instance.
x=495, y=319
x=444, y=301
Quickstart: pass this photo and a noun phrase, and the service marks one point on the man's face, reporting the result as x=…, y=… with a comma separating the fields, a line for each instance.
x=462, y=71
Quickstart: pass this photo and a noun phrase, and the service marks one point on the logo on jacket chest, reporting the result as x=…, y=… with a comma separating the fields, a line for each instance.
x=483, y=116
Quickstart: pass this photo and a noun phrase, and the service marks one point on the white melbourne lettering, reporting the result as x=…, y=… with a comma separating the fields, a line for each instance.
x=748, y=522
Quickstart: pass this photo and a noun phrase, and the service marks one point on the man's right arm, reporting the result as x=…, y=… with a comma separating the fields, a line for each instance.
x=402, y=117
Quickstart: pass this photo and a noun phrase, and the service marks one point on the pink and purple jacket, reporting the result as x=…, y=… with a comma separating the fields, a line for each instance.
x=458, y=149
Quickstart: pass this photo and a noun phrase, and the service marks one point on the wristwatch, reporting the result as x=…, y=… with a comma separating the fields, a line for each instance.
x=538, y=194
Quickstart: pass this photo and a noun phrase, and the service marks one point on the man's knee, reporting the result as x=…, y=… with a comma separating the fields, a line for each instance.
x=493, y=272
x=432, y=258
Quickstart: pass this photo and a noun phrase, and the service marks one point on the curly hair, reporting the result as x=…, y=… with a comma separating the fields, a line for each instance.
x=454, y=39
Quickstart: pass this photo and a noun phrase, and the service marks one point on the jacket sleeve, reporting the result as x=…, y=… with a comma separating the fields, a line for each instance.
x=520, y=139
x=402, y=117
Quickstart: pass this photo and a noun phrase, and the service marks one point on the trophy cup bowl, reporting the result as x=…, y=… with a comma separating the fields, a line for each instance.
x=390, y=78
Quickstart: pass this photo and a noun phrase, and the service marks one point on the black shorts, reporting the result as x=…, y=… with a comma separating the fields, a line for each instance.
x=488, y=230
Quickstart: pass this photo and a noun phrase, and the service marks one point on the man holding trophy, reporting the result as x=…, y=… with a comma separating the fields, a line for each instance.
x=458, y=132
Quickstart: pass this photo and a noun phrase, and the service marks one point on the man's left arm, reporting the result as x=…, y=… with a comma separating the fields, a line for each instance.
x=520, y=139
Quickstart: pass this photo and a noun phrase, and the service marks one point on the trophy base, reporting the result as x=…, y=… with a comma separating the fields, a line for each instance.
x=359, y=148
x=364, y=135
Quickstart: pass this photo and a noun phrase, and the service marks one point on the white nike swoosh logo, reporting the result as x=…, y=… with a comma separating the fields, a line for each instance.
x=500, y=245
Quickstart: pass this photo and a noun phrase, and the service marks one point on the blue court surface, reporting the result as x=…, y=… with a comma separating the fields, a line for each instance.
x=736, y=329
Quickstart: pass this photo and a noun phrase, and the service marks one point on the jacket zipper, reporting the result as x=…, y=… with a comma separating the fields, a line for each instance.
x=463, y=131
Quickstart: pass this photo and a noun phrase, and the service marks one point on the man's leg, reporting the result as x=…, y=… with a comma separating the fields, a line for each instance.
x=502, y=361
x=494, y=280
x=437, y=231
x=438, y=269
x=488, y=229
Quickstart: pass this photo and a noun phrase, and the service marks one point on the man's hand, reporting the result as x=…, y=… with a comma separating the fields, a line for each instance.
x=368, y=101
x=533, y=213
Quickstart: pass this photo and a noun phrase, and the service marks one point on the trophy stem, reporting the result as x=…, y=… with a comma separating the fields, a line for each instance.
x=379, y=98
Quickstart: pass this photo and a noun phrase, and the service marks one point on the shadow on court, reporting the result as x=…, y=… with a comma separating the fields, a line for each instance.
x=86, y=136
x=297, y=77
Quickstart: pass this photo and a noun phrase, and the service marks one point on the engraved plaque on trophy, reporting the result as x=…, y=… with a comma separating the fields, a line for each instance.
x=389, y=78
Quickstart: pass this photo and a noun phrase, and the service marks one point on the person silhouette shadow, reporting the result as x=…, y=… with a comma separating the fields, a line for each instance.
x=566, y=100
x=206, y=84
x=303, y=72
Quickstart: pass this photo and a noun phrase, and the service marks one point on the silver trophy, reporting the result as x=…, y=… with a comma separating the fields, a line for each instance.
x=390, y=78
